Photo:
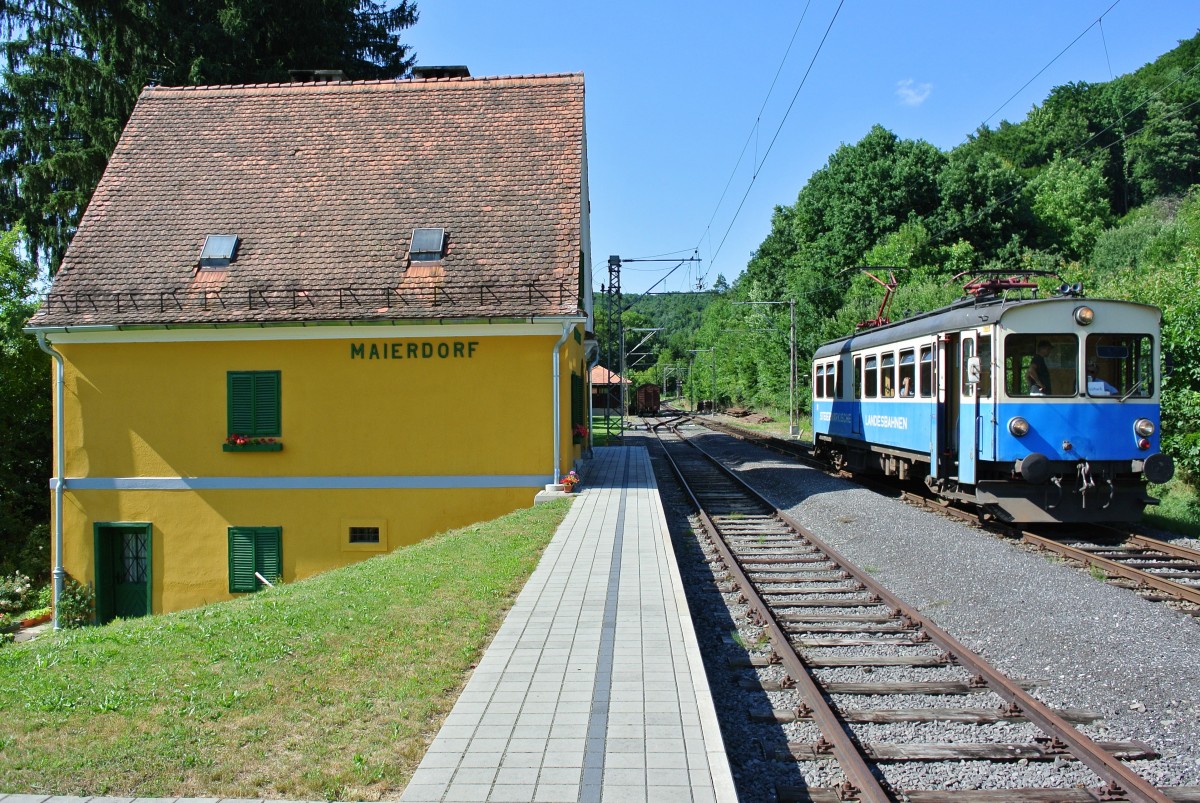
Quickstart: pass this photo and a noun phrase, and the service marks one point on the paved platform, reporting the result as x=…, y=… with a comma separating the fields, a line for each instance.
x=593, y=690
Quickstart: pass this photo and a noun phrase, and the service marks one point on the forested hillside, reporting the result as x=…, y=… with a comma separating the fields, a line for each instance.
x=1098, y=183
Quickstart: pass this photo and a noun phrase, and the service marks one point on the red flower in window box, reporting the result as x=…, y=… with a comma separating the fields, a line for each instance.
x=248, y=443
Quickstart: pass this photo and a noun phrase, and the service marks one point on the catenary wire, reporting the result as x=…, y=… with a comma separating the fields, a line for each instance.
x=758, y=168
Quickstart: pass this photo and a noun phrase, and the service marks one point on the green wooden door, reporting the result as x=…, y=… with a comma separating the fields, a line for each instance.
x=123, y=580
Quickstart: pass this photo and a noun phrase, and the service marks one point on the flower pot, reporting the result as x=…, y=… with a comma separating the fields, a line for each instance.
x=34, y=621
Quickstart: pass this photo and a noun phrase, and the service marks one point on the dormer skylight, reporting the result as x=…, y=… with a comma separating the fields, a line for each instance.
x=428, y=245
x=219, y=250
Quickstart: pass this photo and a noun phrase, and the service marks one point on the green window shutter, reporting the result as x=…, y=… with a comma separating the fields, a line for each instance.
x=576, y=399
x=266, y=404
x=268, y=552
x=241, y=403
x=241, y=560
x=254, y=403
x=254, y=549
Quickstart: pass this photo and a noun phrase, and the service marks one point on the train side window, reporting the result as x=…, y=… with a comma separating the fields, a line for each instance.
x=908, y=369
x=871, y=377
x=830, y=370
x=985, y=366
x=887, y=376
x=838, y=390
x=968, y=351
x=926, y=385
x=1052, y=357
x=819, y=382
x=858, y=377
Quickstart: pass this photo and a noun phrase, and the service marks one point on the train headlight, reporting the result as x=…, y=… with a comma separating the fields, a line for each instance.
x=1018, y=426
x=1143, y=427
x=1084, y=315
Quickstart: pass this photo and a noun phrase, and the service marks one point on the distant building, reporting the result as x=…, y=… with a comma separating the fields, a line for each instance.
x=606, y=390
x=286, y=318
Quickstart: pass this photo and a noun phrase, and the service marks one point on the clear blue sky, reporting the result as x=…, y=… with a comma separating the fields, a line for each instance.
x=674, y=88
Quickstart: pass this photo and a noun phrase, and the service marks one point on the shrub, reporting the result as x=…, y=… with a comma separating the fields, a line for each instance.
x=76, y=606
x=14, y=588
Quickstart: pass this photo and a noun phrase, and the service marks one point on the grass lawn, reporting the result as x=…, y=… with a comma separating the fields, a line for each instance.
x=329, y=688
x=1179, y=510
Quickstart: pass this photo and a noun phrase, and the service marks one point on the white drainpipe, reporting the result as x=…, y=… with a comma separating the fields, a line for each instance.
x=567, y=327
x=59, y=481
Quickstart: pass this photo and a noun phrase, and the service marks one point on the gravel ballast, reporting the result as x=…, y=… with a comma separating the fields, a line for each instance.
x=1087, y=644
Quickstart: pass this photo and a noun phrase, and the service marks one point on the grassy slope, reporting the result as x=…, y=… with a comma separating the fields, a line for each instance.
x=327, y=688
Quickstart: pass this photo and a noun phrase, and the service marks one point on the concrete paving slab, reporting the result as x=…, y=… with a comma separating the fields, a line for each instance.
x=595, y=675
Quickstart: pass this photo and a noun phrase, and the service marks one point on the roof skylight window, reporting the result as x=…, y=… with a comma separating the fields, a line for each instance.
x=428, y=245
x=219, y=250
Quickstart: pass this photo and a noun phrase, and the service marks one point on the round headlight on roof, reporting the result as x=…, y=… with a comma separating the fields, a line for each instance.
x=1144, y=427
x=1084, y=315
x=1018, y=426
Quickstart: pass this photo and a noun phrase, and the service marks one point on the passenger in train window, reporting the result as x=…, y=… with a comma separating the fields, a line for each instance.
x=906, y=387
x=887, y=386
x=1038, y=372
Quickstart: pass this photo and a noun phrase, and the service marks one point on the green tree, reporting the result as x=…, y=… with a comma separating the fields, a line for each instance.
x=981, y=201
x=25, y=422
x=1169, y=278
x=74, y=69
x=1164, y=157
x=1070, y=202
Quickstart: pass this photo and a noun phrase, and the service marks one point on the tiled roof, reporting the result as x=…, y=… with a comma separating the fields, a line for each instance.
x=599, y=375
x=324, y=184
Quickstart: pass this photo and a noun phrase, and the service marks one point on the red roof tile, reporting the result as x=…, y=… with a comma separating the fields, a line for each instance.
x=599, y=375
x=324, y=184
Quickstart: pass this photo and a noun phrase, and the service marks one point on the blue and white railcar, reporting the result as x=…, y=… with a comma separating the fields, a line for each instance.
x=1041, y=410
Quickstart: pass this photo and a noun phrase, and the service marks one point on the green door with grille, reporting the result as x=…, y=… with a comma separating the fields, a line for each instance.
x=123, y=579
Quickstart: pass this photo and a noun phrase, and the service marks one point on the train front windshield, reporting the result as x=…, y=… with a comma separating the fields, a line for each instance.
x=1120, y=365
x=1115, y=365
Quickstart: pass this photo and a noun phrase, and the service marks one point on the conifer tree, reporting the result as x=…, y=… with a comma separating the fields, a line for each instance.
x=73, y=70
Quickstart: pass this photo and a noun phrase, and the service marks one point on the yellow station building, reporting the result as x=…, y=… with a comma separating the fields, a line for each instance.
x=303, y=324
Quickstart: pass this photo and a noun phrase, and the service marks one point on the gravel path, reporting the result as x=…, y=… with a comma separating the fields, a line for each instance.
x=1089, y=645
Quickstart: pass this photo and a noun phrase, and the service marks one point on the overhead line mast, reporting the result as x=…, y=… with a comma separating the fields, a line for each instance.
x=615, y=308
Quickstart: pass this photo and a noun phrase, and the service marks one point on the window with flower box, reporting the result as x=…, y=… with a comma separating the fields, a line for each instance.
x=254, y=411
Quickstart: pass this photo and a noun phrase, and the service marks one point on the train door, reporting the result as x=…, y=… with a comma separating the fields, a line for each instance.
x=947, y=407
x=968, y=408
x=856, y=384
x=985, y=395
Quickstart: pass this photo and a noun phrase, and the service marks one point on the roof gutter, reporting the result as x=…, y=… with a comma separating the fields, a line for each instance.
x=59, y=480
x=432, y=322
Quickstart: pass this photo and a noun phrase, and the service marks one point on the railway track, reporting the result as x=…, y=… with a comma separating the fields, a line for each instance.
x=1159, y=571
x=815, y=619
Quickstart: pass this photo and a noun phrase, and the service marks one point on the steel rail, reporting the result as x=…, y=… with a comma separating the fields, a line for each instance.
x=1109, y=768
x=1167, y=586
x=1174, y=550
x=847, y=752
x=1113, y=567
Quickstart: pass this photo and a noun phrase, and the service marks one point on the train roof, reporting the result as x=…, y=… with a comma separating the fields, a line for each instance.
x=965, y=313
